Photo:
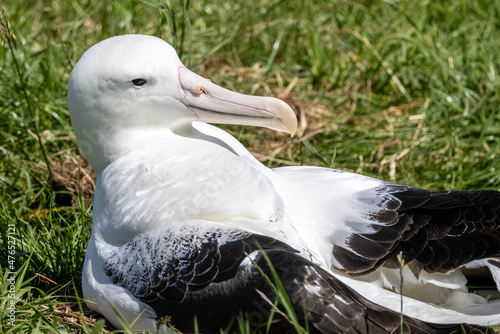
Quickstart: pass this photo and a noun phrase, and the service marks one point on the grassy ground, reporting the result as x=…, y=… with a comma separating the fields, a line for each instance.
x=406, y=91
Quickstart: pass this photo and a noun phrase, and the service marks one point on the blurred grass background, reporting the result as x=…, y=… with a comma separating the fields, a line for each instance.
x=406, y=91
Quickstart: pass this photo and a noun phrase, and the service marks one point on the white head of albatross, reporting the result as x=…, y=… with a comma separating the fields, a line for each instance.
x=129, y=91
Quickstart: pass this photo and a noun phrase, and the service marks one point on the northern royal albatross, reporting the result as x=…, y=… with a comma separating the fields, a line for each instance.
x=183, y=214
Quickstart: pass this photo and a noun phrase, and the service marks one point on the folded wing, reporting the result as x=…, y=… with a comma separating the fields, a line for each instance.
x=368, y=222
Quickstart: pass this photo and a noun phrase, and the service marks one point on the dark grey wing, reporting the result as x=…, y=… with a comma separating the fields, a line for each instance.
x=330, y=306
x=435, y=230
x=193, y=272
x=211, y=276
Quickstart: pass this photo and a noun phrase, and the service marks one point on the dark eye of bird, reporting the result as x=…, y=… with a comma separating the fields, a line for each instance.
x=139, y=82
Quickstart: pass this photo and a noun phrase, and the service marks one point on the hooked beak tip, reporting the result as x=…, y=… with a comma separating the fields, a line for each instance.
x=285, y=116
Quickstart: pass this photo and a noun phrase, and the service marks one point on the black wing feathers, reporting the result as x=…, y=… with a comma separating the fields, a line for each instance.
x=332, y=307
x=204, y=276
x=438, y=230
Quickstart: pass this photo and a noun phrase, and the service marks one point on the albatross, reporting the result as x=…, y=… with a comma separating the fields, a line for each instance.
x=187, y=224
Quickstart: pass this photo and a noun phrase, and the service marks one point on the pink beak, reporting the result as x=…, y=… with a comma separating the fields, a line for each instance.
x=214, y=104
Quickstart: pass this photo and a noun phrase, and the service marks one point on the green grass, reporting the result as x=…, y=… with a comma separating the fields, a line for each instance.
x=406, y=91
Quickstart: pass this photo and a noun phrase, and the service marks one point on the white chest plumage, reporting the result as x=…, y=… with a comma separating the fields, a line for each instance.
x=159, y=188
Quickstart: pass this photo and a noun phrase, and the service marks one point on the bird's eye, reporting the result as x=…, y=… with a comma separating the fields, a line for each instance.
x=139, y=82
